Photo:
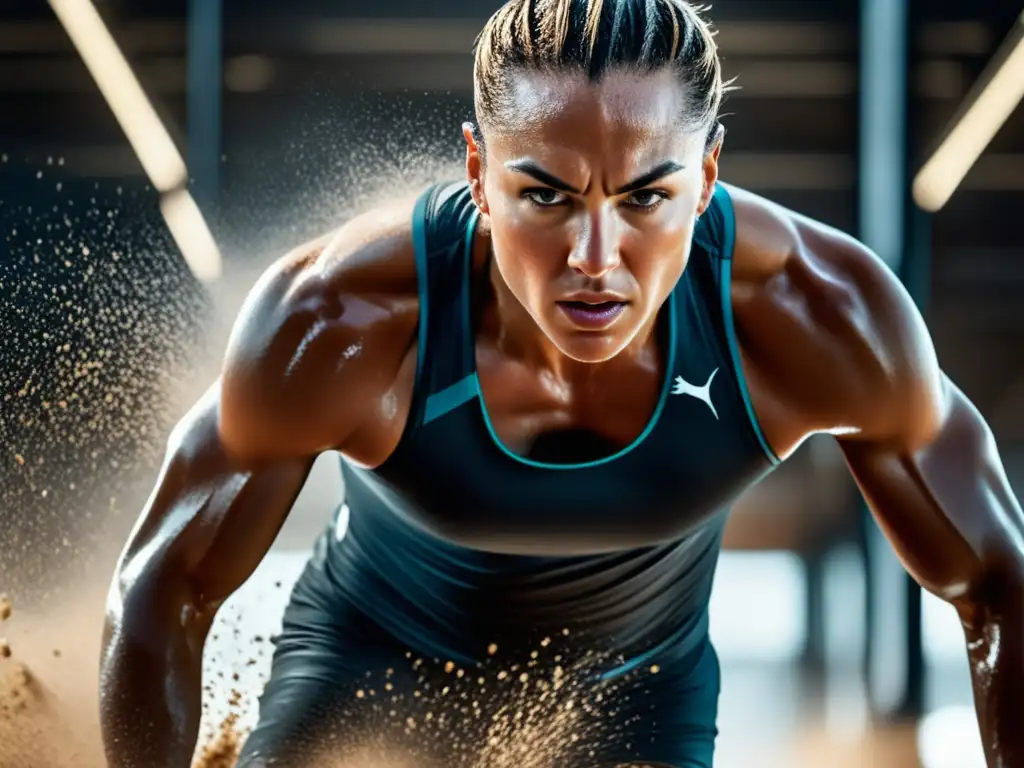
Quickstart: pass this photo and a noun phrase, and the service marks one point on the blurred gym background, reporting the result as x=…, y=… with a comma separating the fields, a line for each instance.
x=290, y=116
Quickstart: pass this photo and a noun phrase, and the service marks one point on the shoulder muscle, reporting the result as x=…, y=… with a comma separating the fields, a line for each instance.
x=831, y=330
x=324, y=328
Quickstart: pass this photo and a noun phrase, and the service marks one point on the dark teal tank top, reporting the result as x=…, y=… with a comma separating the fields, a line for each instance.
x=418, y=556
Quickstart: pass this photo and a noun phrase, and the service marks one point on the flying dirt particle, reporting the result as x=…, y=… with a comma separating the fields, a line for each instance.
x=5, y=649
x=5, y=608
x=18, y=690
x=105, y=320
x=223, y=751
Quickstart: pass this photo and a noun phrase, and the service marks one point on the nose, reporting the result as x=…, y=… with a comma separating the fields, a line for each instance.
x=596, y=252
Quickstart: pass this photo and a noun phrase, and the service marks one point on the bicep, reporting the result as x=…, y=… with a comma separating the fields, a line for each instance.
x=943, y=501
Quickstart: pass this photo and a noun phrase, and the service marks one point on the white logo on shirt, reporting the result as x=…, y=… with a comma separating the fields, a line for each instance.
x=683, y=387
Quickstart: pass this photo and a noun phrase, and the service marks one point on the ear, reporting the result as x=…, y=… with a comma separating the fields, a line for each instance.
x=710, y=168
x=475, y=165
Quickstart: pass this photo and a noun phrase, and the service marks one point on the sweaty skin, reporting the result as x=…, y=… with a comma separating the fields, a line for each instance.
x=863, y=367
x=324, y=354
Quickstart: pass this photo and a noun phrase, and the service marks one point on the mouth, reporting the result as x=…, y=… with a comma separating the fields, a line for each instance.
x=592, y=316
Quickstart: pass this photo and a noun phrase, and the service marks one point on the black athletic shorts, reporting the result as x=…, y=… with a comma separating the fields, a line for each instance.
x=341, y=685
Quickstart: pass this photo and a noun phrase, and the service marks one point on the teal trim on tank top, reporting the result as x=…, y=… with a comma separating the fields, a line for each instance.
x=665, y=388
x=725, y=281
x=450, y=398
x=419, y=248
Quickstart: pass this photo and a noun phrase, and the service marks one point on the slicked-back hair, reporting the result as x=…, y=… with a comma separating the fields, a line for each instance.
x=595, y=37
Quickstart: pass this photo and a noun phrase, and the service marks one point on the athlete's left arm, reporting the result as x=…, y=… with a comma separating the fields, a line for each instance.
x=833, y=343
x=938, y=490
x=934, y=480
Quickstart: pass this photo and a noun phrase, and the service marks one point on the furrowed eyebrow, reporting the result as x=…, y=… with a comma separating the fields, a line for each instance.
x=530, y=168
x=658, y=172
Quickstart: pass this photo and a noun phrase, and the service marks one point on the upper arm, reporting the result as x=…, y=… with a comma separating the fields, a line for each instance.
x=324, y=328
x=323, y=332
x=841, y=348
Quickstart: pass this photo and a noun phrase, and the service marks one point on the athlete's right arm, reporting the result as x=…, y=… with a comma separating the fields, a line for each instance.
x=311, y=349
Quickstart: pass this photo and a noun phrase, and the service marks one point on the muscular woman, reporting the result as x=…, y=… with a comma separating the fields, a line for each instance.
x=547, y=383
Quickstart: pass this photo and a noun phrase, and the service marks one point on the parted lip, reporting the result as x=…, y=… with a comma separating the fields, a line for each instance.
x=594, y=297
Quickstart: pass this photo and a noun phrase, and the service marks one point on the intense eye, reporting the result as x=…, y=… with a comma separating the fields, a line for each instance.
x=544, y=197
x=647, y=199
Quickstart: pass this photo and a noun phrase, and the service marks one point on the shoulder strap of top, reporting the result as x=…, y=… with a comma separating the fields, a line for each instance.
x=442, y=224
x=716, y=234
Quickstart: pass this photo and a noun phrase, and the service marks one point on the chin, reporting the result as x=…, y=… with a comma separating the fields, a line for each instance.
x=586, y=347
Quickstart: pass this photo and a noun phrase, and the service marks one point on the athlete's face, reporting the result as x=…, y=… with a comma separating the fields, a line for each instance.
x=591, y=199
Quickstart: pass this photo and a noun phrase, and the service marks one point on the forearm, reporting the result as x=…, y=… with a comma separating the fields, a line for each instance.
x=151, y=684
x=995, y=647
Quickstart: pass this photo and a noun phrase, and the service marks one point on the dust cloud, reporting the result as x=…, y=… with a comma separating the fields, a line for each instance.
x=107, y=340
